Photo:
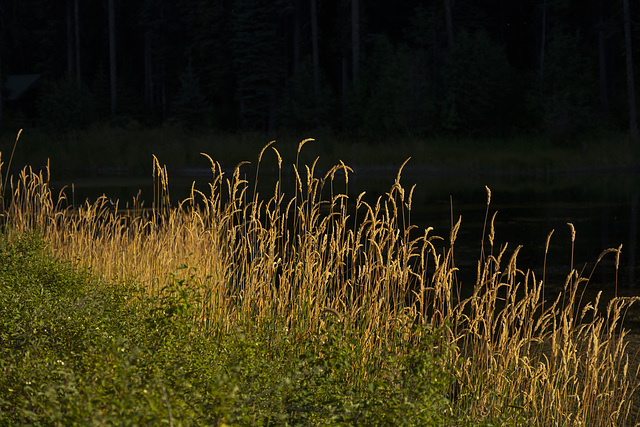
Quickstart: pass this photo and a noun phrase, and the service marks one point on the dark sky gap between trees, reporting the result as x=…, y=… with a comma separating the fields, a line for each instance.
x=358, y=67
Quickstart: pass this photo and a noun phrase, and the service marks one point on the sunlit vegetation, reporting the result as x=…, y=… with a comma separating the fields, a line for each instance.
x=310, y=308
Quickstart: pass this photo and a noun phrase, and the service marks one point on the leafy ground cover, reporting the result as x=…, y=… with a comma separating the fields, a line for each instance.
x=78, y=352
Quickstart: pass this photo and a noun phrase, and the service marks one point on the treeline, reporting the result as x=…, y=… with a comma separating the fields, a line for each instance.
x=405, y=67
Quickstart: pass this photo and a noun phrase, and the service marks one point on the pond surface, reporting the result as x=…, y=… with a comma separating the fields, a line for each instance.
x=603, y=207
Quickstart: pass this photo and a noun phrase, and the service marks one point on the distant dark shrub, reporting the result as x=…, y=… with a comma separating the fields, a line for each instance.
x=301, y=109
x=565, y=93
x=476, y=78
x=64, y=106
x=393, y=94
x=190, y=105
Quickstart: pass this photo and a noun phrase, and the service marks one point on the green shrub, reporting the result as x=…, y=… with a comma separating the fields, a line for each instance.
x=77, y=352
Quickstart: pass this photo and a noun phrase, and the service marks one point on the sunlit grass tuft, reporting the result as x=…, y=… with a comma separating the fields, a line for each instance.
x=317, y=256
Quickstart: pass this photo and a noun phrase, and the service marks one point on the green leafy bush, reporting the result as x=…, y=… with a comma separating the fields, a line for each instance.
x=77, y=352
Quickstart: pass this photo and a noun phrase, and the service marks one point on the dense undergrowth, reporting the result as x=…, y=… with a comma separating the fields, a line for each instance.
x=79, y=352
x=313, y=308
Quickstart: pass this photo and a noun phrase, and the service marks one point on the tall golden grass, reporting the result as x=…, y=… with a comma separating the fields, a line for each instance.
x=301, y=257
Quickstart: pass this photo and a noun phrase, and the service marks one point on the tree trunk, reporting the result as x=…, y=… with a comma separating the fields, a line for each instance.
x=448, y=17
x=543, y=43
x=70, y=38
x=112, y=57
x=344, y=71
x=631, y=91
x=1, y=87
x=1, y=81
x=355, y=39
x=148, y=72
x=297, y=35
x=315, y=50
x=162, y=65
x=603, y=60
x=77, y=33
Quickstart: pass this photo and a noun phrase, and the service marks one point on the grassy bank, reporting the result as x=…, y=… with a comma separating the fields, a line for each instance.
x=317, y=307
x=104, y=150
x=76, y=351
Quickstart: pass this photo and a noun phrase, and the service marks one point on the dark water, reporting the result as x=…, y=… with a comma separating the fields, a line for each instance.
x=603, y=207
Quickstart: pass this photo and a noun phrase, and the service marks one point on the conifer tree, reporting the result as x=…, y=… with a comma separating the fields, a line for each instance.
x=258, y=61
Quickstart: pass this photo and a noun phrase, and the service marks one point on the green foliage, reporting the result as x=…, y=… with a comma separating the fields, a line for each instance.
x=393, y=95
x=340, y=386
x=176, y=307
x=257, y=60
x=427, y=29
x=191, y=105
x=476, y=78
x=65, y=106
x=76, y=352
x=301, y=108
x=245, y=55
x=210, y=28
x=566, y=92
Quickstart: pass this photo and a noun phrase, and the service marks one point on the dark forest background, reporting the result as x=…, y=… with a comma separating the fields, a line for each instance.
x=375, y=67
